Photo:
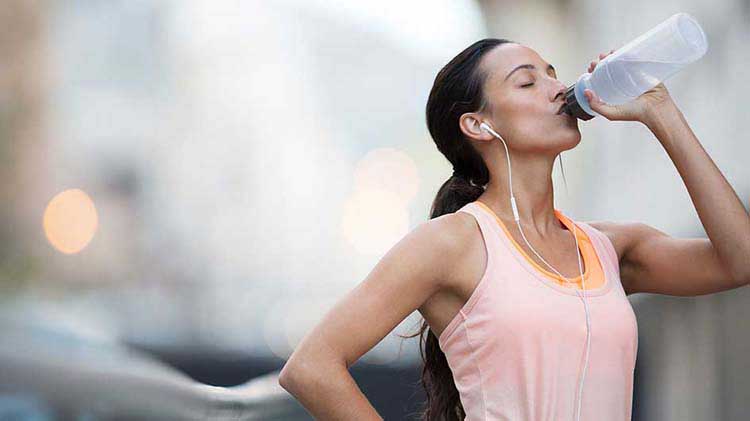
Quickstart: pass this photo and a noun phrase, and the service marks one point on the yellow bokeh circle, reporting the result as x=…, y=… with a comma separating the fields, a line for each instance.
x=70, y=221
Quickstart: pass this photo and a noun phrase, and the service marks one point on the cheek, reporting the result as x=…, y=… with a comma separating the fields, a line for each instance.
x=533, y=128
x=526, y=107
x=529, y=121
x=522, y=116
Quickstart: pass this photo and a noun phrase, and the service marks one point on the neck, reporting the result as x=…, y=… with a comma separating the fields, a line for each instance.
x=532, y=188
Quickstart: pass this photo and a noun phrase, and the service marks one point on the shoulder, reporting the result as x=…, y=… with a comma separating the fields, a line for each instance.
x=622, y=235
x=451, y=232
x=452, y=238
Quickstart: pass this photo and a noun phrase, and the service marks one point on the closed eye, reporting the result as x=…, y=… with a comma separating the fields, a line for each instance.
x=528, y=84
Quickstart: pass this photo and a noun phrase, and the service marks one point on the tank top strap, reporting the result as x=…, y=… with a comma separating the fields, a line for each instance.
x=490, y=230
x=610, y=254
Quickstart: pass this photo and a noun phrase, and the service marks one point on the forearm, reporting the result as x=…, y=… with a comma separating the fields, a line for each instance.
x=331, y=394
x=720, y=210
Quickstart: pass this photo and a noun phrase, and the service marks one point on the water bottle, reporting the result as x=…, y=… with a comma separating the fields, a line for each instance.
x=640, y=65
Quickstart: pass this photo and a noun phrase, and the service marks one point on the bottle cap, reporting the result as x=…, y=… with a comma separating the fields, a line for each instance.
x=572, y=106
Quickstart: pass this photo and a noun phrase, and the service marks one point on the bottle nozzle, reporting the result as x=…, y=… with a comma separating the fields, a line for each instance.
x=572, y=107
x=565, y=110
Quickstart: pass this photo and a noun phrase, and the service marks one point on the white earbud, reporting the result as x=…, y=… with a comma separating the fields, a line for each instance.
x=486, y=127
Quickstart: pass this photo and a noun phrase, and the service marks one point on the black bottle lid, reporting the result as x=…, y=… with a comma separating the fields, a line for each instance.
x=572, y=107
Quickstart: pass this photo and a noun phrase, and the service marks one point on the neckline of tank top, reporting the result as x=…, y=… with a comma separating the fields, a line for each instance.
x=566, y=222
x=534, y=269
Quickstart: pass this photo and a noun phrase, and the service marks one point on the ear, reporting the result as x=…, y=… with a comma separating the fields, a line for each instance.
x=469, y=124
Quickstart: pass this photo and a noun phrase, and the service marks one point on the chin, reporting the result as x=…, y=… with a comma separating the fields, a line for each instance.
x=570, y=142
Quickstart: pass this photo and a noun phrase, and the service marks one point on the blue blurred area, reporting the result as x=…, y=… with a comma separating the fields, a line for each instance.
x=51, y=372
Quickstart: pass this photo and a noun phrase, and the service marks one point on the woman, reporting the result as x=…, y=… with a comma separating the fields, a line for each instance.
x=505, y=333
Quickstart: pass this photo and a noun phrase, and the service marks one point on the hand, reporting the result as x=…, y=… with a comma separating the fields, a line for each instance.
x=638, y=109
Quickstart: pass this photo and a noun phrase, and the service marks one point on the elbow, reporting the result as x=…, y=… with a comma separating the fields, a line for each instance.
x=290, y=372
x=745, y=280
x=285, y=379
x=296, y=377
x=283, y=382
x=301, y=370
x=742, y=278
x=293, y=375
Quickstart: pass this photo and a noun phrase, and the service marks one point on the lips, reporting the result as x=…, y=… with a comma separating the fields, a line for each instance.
x=560, y=111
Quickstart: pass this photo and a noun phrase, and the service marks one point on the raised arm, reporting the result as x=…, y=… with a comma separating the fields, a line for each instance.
x=656, y=262
x=405, y=277
x=721, y=212
x=653, y=261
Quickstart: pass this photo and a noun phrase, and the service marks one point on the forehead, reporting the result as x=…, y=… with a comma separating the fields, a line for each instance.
x=499, y=61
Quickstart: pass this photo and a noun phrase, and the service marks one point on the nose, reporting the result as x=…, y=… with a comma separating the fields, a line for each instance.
x=560, y=90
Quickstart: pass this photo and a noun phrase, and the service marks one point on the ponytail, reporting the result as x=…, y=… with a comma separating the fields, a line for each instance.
x=458, y=89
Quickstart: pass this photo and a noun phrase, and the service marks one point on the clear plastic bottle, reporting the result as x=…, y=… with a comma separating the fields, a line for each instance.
x=640, y=65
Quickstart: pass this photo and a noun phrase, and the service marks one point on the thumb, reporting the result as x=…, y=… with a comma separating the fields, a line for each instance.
x=597, y=104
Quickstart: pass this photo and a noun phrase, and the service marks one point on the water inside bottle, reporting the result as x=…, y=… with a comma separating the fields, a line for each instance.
x=641, y=64
x=633, y=77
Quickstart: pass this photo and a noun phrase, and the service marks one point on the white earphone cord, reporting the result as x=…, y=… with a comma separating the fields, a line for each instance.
x=580, y=268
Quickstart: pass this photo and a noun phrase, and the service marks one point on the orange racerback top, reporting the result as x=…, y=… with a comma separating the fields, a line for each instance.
x=517, y=346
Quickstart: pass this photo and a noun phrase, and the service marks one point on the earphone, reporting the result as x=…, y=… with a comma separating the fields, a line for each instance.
x=489, y=129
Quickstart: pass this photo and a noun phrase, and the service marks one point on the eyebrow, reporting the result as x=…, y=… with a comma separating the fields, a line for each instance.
x=529, y=66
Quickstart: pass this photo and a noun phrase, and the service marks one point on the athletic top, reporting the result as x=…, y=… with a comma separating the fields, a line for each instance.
x=517, y=346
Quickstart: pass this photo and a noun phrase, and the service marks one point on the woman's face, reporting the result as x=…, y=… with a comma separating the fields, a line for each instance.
x=523, y=102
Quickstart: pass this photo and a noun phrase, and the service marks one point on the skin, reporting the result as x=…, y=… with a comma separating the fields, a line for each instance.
x=525, y=116
x=435, y=267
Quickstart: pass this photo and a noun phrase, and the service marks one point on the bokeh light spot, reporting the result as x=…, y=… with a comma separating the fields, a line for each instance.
x=70, y=221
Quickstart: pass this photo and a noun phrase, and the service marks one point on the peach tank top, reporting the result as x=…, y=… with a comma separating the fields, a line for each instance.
x=517, y=346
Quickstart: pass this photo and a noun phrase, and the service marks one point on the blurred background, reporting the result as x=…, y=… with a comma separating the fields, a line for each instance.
x=190, y=185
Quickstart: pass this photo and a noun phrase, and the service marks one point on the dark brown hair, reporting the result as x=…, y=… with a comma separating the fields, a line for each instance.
x=458, y=89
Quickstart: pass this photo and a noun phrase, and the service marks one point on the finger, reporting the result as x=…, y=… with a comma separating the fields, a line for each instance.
x=589, y=96
x=594, y=63
x=592, y=100
x=596, y=103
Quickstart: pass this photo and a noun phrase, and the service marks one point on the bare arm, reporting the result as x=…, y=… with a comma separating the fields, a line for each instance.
x=724, y=218
x=407, y=275
x=655, y=262
x=331, y=394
